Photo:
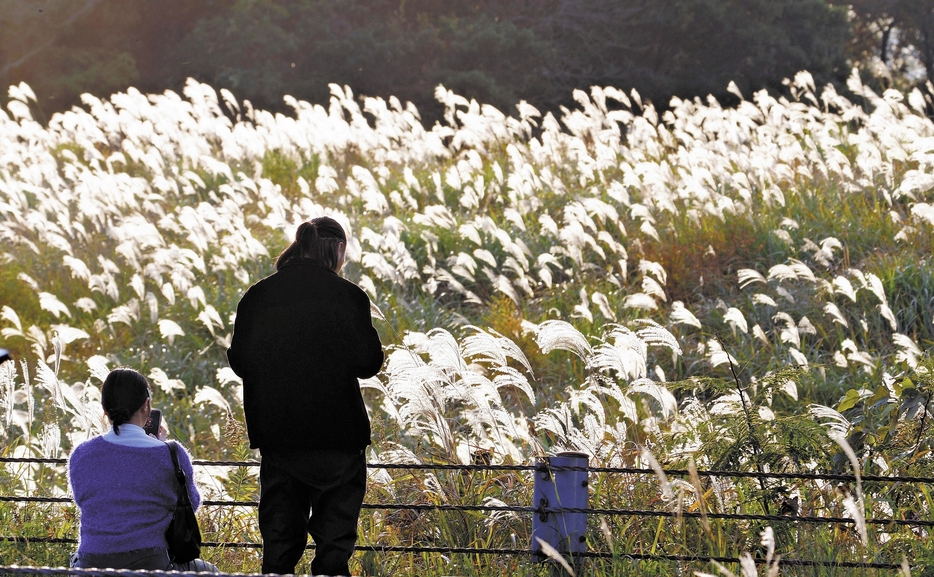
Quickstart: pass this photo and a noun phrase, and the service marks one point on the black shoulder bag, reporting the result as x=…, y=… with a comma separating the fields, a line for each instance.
x=183, y=534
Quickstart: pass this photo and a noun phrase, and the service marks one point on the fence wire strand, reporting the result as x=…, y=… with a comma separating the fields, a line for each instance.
x=554, y=468
x=566, y=510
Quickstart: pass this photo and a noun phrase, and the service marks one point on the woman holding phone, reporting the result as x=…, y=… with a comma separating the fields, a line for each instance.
x=124, y=484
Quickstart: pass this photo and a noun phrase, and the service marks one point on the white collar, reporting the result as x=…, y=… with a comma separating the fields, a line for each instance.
x=131, y=436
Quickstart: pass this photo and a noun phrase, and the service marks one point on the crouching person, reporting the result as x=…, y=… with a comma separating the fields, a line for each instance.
x=125, y=486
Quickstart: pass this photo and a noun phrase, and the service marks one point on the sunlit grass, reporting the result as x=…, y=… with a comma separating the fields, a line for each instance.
x=518, y=265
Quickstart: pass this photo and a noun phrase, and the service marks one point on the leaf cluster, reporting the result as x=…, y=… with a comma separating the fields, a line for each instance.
x=891, y=421
x=497, y=53
x=753, y=436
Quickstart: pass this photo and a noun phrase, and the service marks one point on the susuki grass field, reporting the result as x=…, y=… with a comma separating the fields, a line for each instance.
x=744, y=288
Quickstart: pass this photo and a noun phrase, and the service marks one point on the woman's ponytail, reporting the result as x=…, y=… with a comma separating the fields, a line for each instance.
x=317, y=239
x=306, y=235
x=118, y=416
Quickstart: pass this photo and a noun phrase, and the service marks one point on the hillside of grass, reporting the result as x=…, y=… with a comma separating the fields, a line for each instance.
x=745, y=288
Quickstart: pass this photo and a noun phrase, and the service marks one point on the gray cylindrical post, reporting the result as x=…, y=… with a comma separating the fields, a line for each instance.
x=557, y=489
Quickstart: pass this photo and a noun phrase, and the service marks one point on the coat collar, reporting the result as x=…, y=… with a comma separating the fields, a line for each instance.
x=306, y=262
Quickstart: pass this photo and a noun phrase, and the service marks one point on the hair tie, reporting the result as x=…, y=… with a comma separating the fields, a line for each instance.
x=119, y=415
x=306, y=229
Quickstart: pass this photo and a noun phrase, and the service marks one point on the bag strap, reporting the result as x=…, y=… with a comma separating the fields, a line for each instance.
x=179, y=474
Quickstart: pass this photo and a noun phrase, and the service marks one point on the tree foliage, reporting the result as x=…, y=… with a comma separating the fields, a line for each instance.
x=888, y=29
x=495, y=52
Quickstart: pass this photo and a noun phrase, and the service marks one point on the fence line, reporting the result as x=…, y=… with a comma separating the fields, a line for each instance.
x=562, y=510
x=544, y=467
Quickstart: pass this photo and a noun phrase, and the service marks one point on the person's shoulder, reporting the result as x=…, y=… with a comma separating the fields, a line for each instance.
x=185, y=460
x=352, y=288
x=183, y=449
x=85, y=448
x=259, y=285
x=88, y=444
x=257, y=289
x=183, y=453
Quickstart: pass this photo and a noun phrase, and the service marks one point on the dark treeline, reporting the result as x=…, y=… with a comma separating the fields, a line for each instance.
x=495, y=51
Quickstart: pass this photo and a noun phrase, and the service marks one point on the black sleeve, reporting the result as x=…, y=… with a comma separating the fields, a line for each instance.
x=369, y=351
x=236, y=356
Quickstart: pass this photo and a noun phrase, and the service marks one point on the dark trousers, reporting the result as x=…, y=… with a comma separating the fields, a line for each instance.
x=328, y=484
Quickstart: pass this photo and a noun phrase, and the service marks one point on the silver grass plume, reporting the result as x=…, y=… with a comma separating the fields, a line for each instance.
x=8, y=390
x=553, y=554
x=857, y=508
x=561, y=335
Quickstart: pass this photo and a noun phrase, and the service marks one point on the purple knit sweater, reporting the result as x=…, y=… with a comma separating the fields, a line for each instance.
x=126, y=494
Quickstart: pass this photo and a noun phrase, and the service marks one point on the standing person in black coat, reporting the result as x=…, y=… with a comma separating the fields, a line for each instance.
x=302, y=338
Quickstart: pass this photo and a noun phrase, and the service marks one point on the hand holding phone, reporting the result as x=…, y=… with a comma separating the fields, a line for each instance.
x=154, y=422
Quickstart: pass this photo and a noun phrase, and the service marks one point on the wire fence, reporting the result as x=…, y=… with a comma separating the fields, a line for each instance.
x=538, y=467
x=519, y=509
x=554, y=468
x=564, y=510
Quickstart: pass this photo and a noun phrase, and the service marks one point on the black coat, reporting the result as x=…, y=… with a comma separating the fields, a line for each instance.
x=302, y=338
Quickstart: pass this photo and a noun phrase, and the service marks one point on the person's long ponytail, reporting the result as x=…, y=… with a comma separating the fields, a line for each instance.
x=318, y=239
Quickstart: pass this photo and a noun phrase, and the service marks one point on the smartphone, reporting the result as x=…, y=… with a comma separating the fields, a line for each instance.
x=152, y=425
